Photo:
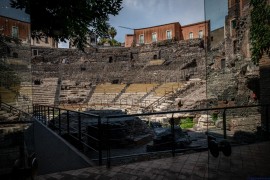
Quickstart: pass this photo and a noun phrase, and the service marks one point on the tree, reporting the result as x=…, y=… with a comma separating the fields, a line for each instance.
x=112, y=32
x=109, y=38
x=68, y=19
x=260, y=29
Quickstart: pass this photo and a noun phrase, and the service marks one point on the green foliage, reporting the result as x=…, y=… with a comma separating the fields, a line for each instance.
x=69, y=19
x=186, y=123
x=112, y=42
x=109, y=38
x=260, y=28
x=112, y=32
x=214, y=117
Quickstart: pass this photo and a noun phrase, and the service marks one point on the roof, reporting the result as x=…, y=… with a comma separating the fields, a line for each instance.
x=207, y=21
x=17, y=14
x=158, y=25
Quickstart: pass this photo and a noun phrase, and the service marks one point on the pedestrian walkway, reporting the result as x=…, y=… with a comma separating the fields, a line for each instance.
x=246, y=162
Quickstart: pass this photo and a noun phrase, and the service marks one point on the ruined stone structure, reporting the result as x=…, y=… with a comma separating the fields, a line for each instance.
x=232, y=78
x=168, y=75
x=116, y=76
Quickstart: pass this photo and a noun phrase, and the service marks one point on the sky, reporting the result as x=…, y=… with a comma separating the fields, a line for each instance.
x=146, y=13
x=7, y=11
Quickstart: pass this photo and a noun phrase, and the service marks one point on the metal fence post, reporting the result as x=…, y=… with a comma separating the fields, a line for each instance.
x=79, y=128
x=224, y=124
x=33, y=109
x=68, y=122
x=266, y=118
x=173, y=136
x=100, y=142
x=59, y=120
x=39, y=112
x=108, y=144
x=48, y=121
x=53, y=118
x=44, y=114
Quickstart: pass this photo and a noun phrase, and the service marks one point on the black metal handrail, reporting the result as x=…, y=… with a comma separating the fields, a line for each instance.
x=24, y=140
x=106, y=140
x=48, y=116
x=173, y=149
x=185, y=111
x=10, y=108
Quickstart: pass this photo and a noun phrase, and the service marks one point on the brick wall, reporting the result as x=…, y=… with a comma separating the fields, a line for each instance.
x=23, y=28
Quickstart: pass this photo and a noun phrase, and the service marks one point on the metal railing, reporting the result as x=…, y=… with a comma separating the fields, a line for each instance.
x=103, y=141
x=73, y=126
x=17, y=147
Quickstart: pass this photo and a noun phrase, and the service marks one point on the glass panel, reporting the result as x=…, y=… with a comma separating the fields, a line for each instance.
x=16, y=136
x=232, y=80
x=15, y=58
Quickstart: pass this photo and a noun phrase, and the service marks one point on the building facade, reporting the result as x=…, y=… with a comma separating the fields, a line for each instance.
x=171, y=31
x=44, y=42
x=15, y=28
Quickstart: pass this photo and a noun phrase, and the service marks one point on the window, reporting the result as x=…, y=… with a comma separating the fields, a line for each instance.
x=154, y=37
x=191, y=35
x=232, y=27
x=37, y=40
x=141, y=39
x=110, y=59
x=15, y=32
x=34, y=52
x=200, y=34
x=169, y=34
x=233, y=24
x=37, y=82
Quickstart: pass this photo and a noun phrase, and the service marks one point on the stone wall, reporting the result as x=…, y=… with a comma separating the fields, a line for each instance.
x=122, y=64
x=232, y=78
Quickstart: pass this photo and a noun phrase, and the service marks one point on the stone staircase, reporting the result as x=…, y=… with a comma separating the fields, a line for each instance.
x=25, y=93
x=120, y=94
x=192, y=99
x=44, y=93
x=90, y=94
x=73, y=92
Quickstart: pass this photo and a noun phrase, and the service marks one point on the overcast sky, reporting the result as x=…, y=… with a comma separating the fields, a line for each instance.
x=146, y=13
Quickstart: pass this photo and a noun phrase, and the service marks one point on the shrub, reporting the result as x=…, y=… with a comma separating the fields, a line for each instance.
x=186, y=123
